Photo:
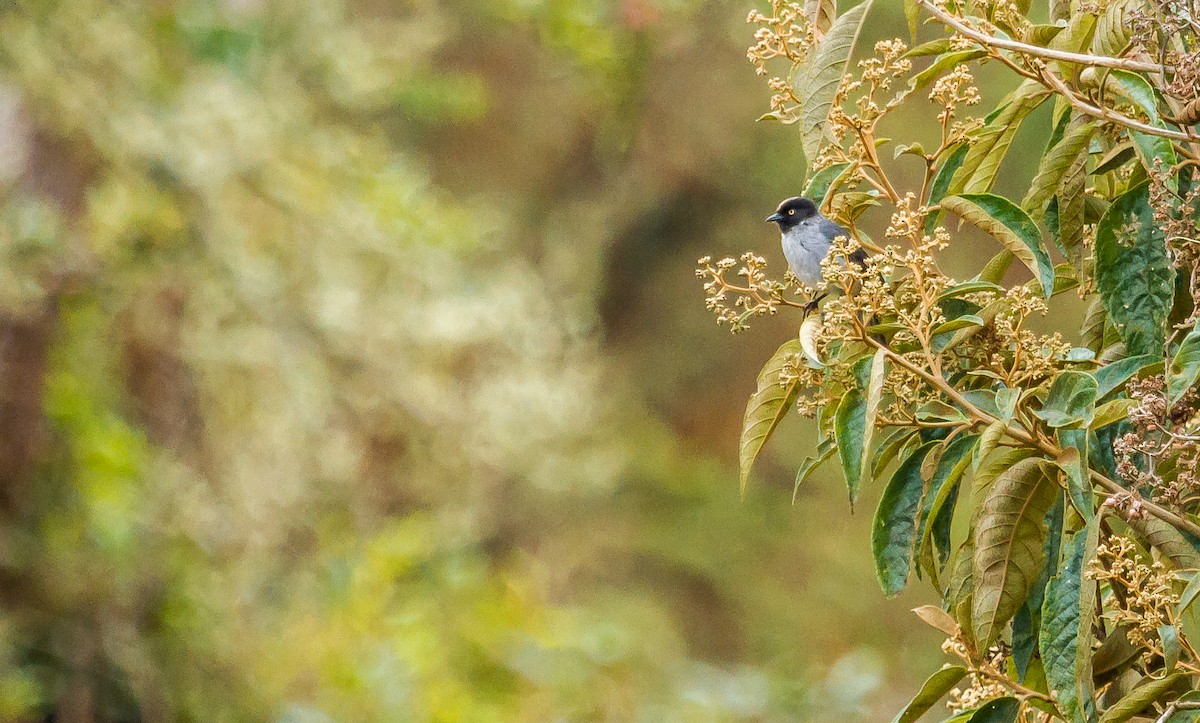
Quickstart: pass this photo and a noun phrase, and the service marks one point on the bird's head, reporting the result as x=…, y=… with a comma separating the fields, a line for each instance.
x=793, y=211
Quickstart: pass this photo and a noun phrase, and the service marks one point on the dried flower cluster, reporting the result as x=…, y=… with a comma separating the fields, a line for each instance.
x=1177, y=214
x=1161, y=451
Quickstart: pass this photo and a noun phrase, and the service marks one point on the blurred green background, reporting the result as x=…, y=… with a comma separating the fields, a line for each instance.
x=354, y=369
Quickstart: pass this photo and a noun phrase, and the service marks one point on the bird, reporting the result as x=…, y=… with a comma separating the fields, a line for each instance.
x=806, y=236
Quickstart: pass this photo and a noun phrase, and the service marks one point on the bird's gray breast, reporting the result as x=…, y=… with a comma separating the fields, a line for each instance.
x=805, y=245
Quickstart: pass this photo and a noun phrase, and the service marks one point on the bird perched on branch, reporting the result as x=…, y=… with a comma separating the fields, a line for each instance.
x=806, y=237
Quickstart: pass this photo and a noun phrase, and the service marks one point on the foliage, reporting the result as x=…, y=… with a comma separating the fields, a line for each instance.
x=1048, y=490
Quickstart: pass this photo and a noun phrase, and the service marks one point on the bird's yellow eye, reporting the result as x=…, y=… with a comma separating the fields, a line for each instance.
x=791, y=212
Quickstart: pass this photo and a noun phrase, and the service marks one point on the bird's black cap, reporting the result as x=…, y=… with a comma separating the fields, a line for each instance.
x=793, y=211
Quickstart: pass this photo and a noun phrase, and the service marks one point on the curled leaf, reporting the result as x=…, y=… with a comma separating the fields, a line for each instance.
x=1012, y=227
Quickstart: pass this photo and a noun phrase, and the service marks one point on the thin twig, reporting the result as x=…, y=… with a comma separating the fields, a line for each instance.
x=1175, y=706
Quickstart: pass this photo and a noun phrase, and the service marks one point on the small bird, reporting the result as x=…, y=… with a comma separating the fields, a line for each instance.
x=806, y=237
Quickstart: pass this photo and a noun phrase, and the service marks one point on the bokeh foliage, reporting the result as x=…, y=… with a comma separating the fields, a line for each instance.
x=334, y=375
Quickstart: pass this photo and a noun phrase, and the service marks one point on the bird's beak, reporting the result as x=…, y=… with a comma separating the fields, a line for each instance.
x=775, y=217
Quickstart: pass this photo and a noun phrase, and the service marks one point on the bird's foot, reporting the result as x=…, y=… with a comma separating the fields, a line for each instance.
x=811, y=306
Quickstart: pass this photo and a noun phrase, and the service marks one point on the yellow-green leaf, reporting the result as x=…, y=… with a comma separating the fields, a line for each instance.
x=767, y=406
x=1055, y=164
x=821, y=14
x=979, y=168
x=1136, y=701
x=824, y=74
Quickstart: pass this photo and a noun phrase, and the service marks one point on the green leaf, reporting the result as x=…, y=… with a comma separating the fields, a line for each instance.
x=963, y=322
x=996, y=267
x=849, y=432
x=1114, y=656
x=895, y=525
x=1189, y=715
x=909, y=149
x=1133, y=272
x=969, y=287
x=875, y=379
x=1115, y=158
x=941, y=183
x=1071, y=402
x=912, y=14
x=962, y=583
x=997, y=710
x=891, y=445
x=1140, y=697
x=937, y=506
x=1012, y=227
x=1112, y=411
x=819, y=185
x=1041, y=35
x=824, y=75
x=991, y=437
x=1078, y=34
x=1185, y=367
x=1113, y=29
x=1054, y=165
x=1064, y=642
x=1113, y=376
x=1010, y=541
x=1070, y=210
x=1137, y=89
x=766, y=407
x=942, y=64
x=1188, y=596
x=1074, y=462
x=987, y=473
x=1149, y=147
x=937, y=46
x=938, y=685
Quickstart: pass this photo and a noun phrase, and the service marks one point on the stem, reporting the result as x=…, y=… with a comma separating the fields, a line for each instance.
x=989, y=672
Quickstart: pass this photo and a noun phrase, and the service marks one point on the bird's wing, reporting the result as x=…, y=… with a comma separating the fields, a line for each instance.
x=832, y=230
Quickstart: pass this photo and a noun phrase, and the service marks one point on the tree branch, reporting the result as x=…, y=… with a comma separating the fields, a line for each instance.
x=1102, y=61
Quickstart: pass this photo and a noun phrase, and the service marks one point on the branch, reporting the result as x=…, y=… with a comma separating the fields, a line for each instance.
x=1107, y=113
x=1102, y=61
x=1158, y=511
x=1024, y=436
x=1177, y=705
